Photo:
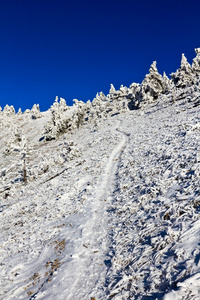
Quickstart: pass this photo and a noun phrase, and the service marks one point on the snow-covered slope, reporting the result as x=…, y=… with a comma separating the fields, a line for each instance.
x=106, y=206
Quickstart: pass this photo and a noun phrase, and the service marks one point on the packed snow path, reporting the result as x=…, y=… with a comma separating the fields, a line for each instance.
x=108, y=212
x=90, y=261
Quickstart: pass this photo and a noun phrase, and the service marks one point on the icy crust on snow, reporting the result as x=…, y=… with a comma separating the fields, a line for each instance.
x=104, y=204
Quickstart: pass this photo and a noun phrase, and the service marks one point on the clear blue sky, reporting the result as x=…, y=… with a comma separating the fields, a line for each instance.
x=74, y=49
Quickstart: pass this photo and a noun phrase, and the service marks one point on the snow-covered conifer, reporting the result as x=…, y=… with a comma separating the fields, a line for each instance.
x=27, y=111
x=196, y=61
x=184, y=76
x=9, y=110
x=153, y=82
x=63, y=105
x=166, y=83
x=19, y=111
x=36, y=111
x=64, y=118
x=132, y=91
x=151, y=87
x=112, y=89
x=123, y=89
x=102, y=96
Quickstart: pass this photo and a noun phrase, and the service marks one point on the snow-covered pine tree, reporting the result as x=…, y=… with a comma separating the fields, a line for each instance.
x=151, y=87
x=19, y=111
x=132, y=91
x=166, y=83
x=184, y=76
x=196, y=62
x=112, y=90
x=9, y=110
x=35, y=112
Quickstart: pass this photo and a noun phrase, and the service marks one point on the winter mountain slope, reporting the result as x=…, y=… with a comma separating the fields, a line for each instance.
x=102, y=202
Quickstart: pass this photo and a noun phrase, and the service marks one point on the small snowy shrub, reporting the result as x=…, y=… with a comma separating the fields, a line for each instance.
x=27, y=111
x=14, y=141
x=64, y=118
x=114, y=103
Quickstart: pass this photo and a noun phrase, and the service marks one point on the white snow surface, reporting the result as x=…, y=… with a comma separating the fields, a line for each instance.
x=109, y=211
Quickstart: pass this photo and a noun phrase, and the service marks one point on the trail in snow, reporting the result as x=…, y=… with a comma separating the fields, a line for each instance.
x=91, y=264
x=62, y=239
x=42, y=222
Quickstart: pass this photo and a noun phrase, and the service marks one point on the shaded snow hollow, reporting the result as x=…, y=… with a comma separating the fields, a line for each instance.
x=110, y=210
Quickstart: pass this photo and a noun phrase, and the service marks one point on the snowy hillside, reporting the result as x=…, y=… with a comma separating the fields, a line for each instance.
x=101, y=200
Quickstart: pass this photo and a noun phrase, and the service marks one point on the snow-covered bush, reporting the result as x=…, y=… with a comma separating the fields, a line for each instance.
x=27, y=111
x=68, y=151
x=64, y=118
x=35, y=111
x=19, y=112
x=15, y=141
x=9, y=110
x=114, y=103
x=51, y=162
x=97, y=108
